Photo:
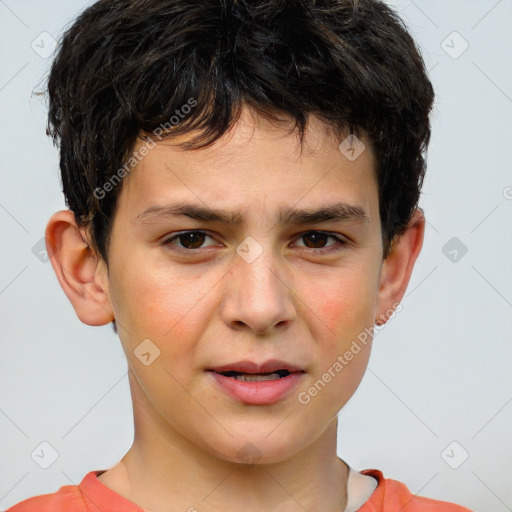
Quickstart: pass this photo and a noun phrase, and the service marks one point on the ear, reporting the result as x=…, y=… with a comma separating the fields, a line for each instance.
x=397, y=267
x=82, y=275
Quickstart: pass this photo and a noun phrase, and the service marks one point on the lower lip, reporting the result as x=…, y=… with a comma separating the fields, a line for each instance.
x=258, y=393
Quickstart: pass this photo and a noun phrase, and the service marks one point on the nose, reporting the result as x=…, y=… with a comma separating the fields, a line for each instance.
x=259, y=295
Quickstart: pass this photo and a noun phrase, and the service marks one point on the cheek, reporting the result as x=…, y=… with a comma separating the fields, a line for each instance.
x=345, y=307
x=334, y=309
x=153, y=311
x=158, y=302
x=343, y=357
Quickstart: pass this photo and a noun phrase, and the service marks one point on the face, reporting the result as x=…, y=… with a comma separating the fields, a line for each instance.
x=256, y=286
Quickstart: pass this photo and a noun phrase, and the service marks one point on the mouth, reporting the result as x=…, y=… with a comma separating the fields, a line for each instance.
x=250, y=371
x=256, y=377
x=257, y=384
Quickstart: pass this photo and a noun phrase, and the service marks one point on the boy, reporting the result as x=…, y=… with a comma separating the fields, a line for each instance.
x=260, y=129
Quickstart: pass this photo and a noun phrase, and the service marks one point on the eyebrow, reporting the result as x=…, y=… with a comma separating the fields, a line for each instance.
x=335, y=212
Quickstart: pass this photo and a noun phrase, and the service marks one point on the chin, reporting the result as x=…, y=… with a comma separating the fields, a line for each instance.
x=256, y=448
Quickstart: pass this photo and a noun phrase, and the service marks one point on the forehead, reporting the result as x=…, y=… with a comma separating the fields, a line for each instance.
x=253, y=130
x=255, y=161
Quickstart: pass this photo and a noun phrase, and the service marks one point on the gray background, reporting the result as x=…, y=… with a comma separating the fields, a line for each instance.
x=440, y=371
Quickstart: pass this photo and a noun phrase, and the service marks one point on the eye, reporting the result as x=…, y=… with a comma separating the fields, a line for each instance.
x=319, y=238
x=189, y=240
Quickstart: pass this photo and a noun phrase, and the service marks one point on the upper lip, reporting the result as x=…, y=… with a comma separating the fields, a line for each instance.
x=269, y=366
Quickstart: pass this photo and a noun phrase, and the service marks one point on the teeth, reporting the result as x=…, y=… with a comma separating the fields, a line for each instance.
x=256, y=378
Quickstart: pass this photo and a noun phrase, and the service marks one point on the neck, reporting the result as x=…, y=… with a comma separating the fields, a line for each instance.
x=164, y=471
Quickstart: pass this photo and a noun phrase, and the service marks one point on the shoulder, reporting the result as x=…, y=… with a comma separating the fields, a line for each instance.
x=391, y=494
x=68, y=498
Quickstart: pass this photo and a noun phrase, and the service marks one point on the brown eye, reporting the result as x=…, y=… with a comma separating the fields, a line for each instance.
x=187, y=240
x=317, y=239
x=192, y=239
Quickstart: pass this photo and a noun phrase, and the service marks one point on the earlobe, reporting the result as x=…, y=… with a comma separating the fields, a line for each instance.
x=81, y=274
x=397, y=267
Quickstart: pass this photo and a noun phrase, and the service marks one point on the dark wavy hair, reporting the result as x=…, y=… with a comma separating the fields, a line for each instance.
x=124, y=67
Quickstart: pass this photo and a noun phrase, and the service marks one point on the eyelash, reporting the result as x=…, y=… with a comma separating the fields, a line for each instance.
x=331, y=249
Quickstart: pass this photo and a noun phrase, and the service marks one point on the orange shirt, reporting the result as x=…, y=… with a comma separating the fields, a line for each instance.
x=91, y=495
